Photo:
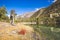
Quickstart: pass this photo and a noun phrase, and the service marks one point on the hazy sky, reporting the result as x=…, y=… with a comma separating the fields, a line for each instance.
x=22, y=6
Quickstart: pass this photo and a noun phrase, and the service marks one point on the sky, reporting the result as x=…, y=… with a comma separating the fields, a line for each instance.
x=23, y=6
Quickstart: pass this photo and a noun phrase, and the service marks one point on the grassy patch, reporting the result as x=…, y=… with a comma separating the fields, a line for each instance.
x=47, y=32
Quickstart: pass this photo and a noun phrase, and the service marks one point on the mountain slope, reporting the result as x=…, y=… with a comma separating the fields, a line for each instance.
x=54, y=8
x=38, y=13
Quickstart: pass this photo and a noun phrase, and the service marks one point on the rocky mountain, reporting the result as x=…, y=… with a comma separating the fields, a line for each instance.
x=38, y=13
x=53, y=8
x=28, y=14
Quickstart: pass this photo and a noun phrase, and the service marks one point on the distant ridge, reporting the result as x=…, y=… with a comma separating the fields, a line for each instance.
x=54, y=7
x=37, y=13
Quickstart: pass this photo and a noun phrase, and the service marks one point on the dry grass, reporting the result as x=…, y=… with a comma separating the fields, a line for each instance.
x=9, y=32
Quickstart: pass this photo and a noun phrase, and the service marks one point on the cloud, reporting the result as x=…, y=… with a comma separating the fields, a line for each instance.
x=54, y=1
x=36, y=9
x=8, y=15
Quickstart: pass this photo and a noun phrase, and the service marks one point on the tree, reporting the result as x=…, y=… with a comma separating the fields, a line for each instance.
x=3, y=13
